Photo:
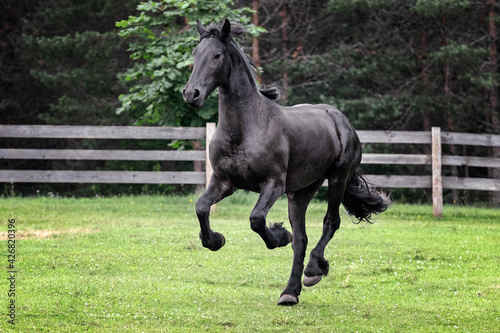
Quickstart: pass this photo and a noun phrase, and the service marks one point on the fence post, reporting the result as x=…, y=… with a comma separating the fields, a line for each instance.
x=208, y=167
x=437, y=182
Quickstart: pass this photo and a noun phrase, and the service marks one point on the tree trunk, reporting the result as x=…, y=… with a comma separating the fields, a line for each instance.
x=284, y=47
x=451, y=127
x=427, y=119
x=255, y=41
x=424, y=43
x=494, y=117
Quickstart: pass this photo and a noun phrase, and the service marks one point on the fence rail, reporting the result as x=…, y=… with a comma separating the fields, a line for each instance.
x=420, y=137
x=110, y=177
x=101, y=132
x=102, y=155
x=436, y=139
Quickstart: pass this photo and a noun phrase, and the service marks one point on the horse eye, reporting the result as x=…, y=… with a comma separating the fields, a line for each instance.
x=217, y=56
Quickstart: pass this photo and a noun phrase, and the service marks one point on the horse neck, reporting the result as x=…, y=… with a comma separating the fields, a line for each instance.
x=240, y=104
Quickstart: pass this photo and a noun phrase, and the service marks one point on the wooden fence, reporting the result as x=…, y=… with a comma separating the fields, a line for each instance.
x=436, y=139
x=105, y=132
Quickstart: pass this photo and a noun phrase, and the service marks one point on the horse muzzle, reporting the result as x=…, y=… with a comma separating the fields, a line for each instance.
x=193, y=97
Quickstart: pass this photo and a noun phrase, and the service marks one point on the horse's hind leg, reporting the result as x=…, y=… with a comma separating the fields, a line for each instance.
x=318, y=266
x=297, y=206
x=216, y=191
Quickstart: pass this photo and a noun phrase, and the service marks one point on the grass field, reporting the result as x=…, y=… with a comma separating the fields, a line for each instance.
x=136, y=264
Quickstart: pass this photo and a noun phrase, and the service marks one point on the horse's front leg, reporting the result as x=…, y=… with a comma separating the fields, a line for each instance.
x=217, y=190
x=276, y=235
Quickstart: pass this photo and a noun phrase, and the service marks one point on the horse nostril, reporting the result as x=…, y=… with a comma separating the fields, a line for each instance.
x=192, y=96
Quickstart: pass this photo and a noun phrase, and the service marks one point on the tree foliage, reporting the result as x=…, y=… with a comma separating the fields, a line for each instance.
x=72, y=48
x=390, y=64
x=160, y=41
x=387, y=64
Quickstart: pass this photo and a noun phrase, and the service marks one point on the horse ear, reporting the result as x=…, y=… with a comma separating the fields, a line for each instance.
x=226, y=29
x=201, y=29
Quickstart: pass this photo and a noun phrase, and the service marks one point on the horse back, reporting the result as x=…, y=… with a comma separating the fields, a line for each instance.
x=321, y=141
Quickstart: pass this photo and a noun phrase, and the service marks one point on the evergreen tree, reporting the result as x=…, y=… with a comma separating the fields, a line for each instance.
x=16, y=105
x=74, y=50
x=387, y=64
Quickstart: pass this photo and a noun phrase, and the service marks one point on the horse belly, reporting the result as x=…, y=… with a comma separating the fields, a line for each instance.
x=311, y=159
x=306, y=170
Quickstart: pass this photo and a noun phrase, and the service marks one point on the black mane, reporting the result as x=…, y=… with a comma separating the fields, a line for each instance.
x=214, y=30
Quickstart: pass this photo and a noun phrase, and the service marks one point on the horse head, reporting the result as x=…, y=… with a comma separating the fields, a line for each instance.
x=210, y=63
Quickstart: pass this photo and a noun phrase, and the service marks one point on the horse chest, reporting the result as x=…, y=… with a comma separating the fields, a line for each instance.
x=237, y=164
x=234, y=165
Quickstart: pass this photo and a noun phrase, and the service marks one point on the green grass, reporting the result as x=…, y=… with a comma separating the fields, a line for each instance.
x=136, y=264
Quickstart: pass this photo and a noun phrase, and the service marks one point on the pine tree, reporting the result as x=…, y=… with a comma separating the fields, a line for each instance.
x=74, y=50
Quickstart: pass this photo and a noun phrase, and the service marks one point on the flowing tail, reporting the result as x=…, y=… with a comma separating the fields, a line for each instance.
x=361, y=199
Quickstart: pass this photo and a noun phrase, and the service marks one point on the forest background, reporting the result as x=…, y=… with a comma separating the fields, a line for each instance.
x=387, y=64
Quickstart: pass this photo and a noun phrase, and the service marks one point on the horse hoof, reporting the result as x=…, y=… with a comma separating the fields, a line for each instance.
x=223, y=239
x=310, y=281
x=214, y=245
x=288, y=238
x=283, y=236
x=219, y=244
x=288, y=300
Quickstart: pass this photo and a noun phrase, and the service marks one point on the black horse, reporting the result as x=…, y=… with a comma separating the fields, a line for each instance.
x=270, y=149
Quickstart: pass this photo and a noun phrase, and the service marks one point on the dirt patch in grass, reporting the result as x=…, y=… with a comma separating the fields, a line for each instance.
x=45, y=233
